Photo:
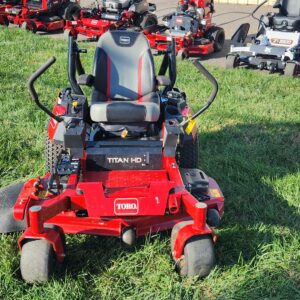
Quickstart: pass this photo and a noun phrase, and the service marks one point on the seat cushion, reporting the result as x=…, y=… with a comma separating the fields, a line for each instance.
x=144, y=109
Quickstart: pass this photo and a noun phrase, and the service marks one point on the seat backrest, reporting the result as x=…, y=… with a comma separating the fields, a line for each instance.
x=290, y=8
x=123, y=66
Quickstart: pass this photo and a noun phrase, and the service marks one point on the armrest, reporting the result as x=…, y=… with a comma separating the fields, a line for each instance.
x=163, y=80
x=85, y=79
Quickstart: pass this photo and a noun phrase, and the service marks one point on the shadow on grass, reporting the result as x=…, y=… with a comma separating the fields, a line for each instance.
x=252, y=164
x=96, y=254
x=92, y=254
x=220, y=54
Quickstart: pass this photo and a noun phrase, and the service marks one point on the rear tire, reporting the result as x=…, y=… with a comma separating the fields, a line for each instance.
x=52, y=152
x=213, y=217
x=71, y=11
x=5, y=21
x=188, y=154
x=216, y=35
x=290, y=69
x=38, y=261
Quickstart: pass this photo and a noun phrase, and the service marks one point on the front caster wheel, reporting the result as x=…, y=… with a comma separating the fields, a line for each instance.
x=232, y=61
x=38, y=261
x=29, y=26
x=198, y=257
x=183, y=54
x=290, y=69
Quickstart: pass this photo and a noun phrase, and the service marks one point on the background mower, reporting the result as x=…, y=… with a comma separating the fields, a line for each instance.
x=5, y=7
x=276, y=46
x=113, y=14
x=42, y=15
x=191, y=26
x=123, y=166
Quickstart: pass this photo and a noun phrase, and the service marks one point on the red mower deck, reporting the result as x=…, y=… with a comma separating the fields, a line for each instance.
x=113, y=205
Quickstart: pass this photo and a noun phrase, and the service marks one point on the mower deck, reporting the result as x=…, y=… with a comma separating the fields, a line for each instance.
x=90, y=27
x=192, y=46
x=35, y=24
x=104, y=203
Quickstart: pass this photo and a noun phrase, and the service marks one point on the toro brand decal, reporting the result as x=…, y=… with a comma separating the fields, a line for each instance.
x=281, y=41
x=179, y=20
x=126, y=206
x=124, y=40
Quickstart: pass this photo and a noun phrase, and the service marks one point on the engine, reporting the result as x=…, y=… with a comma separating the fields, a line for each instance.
x=182, y=24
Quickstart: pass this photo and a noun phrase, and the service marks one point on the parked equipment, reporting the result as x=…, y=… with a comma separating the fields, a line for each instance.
x=42, y=15
x=125, y=166
x=5, y=8
x=113, y=15
x=276, y=46
x=191, y=26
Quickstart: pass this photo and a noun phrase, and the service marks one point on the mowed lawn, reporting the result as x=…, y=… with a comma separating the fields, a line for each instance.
x=250, y=143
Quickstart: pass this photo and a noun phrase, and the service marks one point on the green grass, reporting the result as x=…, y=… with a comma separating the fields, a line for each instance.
x=250, y=143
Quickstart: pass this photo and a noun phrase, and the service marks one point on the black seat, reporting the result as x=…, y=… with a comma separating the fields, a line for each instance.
x=288, y=17
x=124, y=88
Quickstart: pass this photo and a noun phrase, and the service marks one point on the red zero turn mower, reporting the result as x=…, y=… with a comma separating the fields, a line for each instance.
x=113, y=14
x=123, y=166
x=5, y=7
x=43, y=15
x=191, y=26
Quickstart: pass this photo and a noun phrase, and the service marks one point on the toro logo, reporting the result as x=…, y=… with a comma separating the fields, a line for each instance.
x=126, y=206
x=179, y=20
x=281, y=41
x=124, y=40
